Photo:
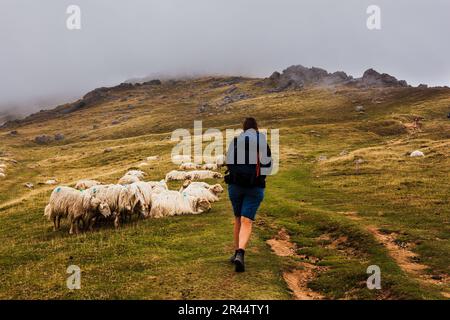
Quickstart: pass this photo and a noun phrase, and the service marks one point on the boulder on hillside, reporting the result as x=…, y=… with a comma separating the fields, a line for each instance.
x=43, y=139
x=59, y=137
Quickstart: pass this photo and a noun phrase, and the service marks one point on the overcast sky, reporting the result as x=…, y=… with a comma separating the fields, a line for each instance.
x=42, y=63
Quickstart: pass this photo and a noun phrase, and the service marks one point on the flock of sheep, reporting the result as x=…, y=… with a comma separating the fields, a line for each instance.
x=91, y=201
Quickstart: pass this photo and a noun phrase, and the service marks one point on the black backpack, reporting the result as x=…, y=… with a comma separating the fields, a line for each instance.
x=247, y=174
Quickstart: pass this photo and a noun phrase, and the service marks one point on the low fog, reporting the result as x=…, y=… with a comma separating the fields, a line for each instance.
x=43, y=64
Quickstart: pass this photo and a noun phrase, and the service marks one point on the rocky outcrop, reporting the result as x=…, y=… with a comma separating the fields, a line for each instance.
x=372, y=78
x=297, y=77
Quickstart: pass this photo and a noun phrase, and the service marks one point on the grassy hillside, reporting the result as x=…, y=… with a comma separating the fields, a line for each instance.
x=369, y=205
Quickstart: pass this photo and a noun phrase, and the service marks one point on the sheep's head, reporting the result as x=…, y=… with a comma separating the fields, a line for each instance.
x=104, y=209
x=216, y=189
x=101, y=206
x=202, y=205
x=217, y=175
x=47, y=211
x=188, y=176
x=141, y=208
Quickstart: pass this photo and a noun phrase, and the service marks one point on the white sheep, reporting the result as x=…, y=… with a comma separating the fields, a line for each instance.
x=175, y=175
x=189, y=166
x=202, y=174
x=66, y=202
x=220, y=160
x=122, y=201
x=51, y=182
x=170, y=203
x=205, y=191
x=86, y=184
x=145, y=191
x=158, y=186
x=137, y=173
x=210, y=166
x=216, y=189
x=128, y=179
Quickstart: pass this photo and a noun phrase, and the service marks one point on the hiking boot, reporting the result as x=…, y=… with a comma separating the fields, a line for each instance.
x=233, y=257
x=239, y=260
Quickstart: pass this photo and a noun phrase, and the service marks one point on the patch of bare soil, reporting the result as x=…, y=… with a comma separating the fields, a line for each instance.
x=297, y=279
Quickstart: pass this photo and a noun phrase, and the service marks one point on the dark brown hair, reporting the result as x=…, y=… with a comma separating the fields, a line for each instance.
x=250, y=123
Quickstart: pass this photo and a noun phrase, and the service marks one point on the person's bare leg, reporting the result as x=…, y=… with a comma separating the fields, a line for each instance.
x=245, y=232
x=237, y=229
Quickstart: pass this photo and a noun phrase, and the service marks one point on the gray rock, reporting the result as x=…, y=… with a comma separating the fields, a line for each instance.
x=322, y=158
x=372, y=78
x=416, y=154
x=59, y=137
x=114, y=122
x=43, y=139
x=360, y=109
x=107, y=150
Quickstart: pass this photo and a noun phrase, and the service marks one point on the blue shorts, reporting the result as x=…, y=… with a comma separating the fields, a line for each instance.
x=245, y=201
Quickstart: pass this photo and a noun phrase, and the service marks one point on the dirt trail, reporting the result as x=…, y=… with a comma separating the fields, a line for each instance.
x=403, y=256
x=298, y=279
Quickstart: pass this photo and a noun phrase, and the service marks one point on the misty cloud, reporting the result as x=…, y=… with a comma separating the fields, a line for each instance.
x=43, y=63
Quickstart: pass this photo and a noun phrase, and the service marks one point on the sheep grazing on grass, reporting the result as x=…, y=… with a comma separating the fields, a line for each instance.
x=66, y=202
x=210, y=166
x=175, y=175
x=137, y=173
x=203, y=174
x=171, y=203
x=188, y=166
x=128, y=179
x=122, y=200
x=203, y=190
x=86, y=184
